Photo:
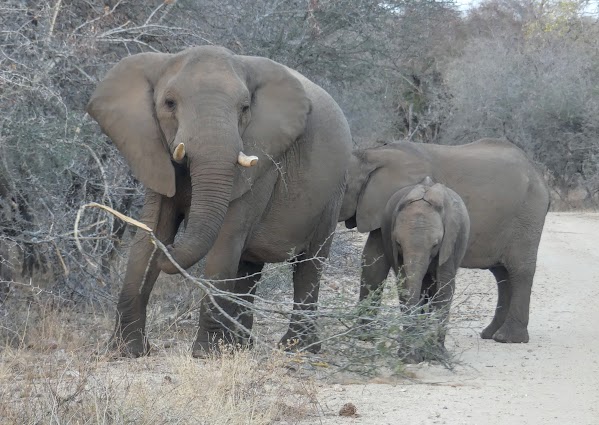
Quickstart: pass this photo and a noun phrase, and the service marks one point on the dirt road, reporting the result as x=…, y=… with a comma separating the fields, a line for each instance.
x=554, y=379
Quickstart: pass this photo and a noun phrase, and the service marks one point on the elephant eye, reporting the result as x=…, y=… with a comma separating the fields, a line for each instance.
x=245, y=108
x=170, y=104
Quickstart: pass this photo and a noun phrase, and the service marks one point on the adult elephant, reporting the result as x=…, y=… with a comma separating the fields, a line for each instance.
x=250, y=154
x=506, y=198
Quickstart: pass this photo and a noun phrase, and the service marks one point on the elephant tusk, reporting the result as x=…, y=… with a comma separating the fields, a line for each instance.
x=179, y=152
x=247, y=161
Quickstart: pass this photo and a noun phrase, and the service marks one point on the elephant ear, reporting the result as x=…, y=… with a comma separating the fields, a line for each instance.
x=379, y=181
x=456, y=223
x=384, y=171
x=363, y=203
x=123, y=105
x=279, y=111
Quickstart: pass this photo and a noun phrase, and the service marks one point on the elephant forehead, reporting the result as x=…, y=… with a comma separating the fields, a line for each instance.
x=416, y=194
x=419, y=218
x=212, y=54
x=199, y=80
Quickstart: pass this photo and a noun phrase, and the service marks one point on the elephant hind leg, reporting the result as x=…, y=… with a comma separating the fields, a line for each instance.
x=515, y=327
x=504, y=296
x=248, y=276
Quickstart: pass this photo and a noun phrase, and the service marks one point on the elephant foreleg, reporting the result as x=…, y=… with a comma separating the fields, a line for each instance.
x=441, y=299
x=437, y=292
x=302, y=330
x=220, y=320
x=219, y=309
x=375, y=268
x=129, y=338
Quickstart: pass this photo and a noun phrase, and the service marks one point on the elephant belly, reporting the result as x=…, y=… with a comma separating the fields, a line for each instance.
x=271, y=251
x=480, y=259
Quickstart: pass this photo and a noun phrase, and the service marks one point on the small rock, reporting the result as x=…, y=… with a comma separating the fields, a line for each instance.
x=348, y=409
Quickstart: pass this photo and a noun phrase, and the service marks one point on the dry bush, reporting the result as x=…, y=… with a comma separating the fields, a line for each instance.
x=406, y=69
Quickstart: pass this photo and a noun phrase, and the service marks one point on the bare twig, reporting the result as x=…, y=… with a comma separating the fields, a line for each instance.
x=55, y=11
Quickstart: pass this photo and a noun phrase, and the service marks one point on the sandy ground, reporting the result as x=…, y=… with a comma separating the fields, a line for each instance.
x=554, y=379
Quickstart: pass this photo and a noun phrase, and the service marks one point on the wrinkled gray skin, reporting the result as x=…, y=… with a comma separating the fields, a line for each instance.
x=424, y=231
x=219, y=104
x=506, y=198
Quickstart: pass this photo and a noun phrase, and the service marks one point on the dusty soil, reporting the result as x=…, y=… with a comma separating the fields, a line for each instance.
x=554, y=379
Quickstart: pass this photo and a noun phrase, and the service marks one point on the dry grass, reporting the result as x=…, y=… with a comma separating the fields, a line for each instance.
x=50, y=374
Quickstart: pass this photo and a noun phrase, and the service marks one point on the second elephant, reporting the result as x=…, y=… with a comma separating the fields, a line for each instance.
x=507, y=201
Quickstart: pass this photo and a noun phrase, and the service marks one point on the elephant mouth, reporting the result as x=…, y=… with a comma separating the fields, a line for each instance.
x=351, y=222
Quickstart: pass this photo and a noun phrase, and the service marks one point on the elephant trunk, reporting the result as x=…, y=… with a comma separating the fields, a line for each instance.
x=212, y=183
x=415, y=270
x=212, y=172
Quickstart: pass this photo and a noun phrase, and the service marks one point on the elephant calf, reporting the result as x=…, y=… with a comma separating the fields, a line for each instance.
x=425, y=231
